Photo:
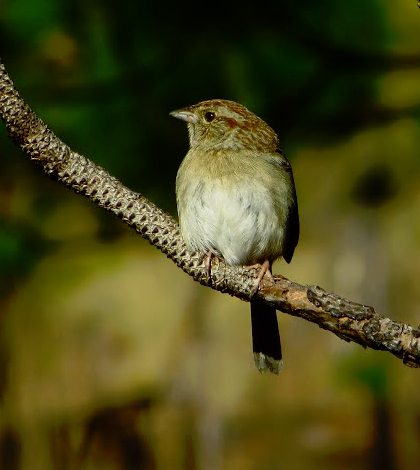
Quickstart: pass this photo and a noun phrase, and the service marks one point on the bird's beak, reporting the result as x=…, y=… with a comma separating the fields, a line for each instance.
x=185, y=115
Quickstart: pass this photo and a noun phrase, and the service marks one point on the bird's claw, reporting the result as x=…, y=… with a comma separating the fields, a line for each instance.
x=265, y=269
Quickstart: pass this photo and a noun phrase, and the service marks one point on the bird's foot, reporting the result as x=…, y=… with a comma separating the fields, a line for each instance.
x=265, y=269
x=207, y=258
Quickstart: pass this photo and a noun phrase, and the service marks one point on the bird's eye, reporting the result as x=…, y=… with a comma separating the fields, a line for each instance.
x=209, y=116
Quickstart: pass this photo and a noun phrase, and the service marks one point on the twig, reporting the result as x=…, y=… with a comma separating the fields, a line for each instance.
x=346, y=319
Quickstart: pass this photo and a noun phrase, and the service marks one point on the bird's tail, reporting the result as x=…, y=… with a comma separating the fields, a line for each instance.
x=265, y=338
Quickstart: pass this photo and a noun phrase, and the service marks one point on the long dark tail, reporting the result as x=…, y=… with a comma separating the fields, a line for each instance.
x=265, y=338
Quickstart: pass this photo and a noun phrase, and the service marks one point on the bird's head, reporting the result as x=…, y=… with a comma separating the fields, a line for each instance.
x=222, y=124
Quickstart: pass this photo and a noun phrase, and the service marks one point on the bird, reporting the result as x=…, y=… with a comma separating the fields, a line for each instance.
x=236, y=200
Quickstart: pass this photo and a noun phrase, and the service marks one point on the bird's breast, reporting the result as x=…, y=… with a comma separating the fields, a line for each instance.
x=230, y=213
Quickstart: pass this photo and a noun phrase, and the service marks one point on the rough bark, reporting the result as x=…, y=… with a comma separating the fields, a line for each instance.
x=346, y=319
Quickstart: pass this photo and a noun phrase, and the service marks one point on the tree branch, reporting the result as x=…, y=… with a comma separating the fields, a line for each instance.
x=346, y=319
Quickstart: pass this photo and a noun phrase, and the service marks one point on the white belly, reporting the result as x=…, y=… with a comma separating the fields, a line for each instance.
x=240, y=224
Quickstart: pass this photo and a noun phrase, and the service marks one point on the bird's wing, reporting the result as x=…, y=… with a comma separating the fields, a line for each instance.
x=281, y=163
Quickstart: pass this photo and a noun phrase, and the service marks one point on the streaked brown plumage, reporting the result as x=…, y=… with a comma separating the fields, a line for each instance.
x=236, y=199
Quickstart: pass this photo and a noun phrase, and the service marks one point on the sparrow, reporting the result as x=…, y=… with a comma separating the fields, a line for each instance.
x=236, y=200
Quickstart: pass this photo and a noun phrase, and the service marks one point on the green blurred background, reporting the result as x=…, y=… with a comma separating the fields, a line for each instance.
x=110, y=356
